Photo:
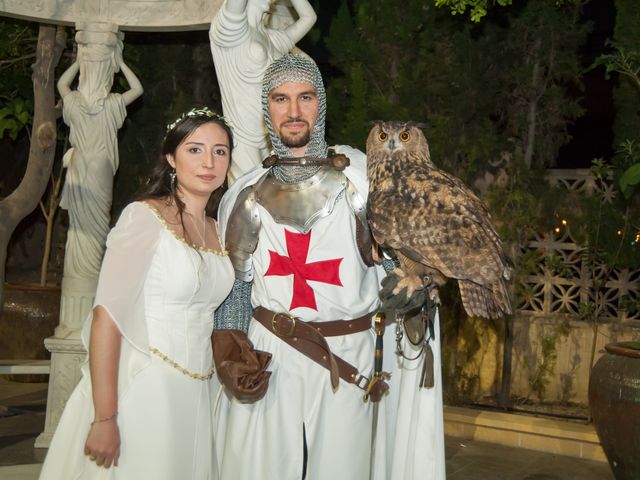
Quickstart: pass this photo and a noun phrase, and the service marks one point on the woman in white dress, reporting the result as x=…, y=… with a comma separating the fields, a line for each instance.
x=142, y=409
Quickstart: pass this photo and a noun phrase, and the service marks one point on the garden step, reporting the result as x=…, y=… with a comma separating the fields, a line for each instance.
x=24, y=367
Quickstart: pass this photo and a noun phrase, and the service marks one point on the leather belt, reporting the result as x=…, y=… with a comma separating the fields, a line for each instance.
x=308, y=339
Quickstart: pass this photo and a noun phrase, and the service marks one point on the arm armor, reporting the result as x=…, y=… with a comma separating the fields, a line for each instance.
x=235, y=312
x=242, y=234
x=241, y=241
x=363, y=234
x=389, y=263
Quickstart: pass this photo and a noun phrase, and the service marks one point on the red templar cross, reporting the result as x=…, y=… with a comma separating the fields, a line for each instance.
x=325, y=271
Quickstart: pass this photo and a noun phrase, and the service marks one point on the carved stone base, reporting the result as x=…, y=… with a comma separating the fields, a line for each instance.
x=67, y=355
x=76, y=301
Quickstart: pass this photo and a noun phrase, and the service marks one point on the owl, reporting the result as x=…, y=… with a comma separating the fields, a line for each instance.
x=437, y=227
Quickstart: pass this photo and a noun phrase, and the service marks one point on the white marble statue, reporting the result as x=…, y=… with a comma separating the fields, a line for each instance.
x=94, y=115
x=242, y=47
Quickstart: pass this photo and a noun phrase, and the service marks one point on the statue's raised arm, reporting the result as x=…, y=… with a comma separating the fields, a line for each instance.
x=135, y=87
x=243, y=46
x=306, y=19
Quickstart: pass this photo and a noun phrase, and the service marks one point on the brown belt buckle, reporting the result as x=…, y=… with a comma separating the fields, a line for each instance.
x=274, y=324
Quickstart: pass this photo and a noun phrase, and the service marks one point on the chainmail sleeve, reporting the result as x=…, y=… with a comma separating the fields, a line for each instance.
x=235, y=312
x=389, y=263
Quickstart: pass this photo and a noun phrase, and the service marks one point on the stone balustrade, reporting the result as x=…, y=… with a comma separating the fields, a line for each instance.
x=571, y=288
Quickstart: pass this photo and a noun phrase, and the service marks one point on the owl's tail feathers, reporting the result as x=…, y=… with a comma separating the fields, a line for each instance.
x=487, y=302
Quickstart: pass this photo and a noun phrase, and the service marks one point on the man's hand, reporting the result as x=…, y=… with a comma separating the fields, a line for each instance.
x=401, y=294
x=241, y=368
x=103, y=443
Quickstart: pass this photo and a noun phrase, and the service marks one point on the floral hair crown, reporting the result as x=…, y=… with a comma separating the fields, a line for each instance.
x=197, y=112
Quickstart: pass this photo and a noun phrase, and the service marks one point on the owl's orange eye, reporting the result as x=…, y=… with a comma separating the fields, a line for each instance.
x=382, y=136
x=405, y=136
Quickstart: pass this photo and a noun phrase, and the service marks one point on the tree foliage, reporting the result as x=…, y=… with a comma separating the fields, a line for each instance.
x=625, y=53
x=17, y=53
x=478, y=9
x=501, y=86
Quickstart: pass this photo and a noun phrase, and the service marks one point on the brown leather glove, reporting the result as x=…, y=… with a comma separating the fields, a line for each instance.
x=241, y=368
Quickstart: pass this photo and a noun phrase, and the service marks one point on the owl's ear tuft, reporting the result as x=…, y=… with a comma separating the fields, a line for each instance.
x=374, y=123
x=422, y=125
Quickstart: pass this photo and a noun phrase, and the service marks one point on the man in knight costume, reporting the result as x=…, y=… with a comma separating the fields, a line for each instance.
x=293, y=342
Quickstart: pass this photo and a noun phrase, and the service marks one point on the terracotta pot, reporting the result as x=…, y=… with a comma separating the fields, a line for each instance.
x=614, y=398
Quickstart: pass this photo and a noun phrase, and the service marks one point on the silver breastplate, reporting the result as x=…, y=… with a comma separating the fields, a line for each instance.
x=301, y=205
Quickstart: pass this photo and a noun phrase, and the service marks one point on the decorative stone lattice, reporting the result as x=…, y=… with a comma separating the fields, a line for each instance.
x=582, y=180
x=565, y=280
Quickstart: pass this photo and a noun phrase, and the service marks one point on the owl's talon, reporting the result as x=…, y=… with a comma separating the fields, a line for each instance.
x=401, y=293
x=410, y=282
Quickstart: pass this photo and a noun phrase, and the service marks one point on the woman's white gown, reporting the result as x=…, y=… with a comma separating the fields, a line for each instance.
x=161, y=293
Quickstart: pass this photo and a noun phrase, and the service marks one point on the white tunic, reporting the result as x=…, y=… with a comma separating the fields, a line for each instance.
x=318, y=276
x=264, y=440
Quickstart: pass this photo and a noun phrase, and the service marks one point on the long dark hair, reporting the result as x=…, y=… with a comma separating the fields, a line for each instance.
x=159, y=183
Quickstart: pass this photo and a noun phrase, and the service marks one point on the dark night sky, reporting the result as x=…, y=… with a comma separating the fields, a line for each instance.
x=592, y=133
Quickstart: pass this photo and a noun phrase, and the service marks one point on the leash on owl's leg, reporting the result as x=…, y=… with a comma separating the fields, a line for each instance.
x=420, y=331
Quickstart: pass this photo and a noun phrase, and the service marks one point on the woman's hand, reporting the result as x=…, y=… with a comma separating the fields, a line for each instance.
x=103, y=443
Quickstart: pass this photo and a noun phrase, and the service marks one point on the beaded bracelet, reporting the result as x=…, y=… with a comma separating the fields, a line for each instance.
x=105, y=419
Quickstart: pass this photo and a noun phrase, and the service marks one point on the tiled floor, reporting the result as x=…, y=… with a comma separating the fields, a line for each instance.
x=22, y=412
x=471, y=460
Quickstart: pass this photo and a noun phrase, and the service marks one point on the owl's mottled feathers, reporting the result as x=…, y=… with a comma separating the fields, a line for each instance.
x=433, y=222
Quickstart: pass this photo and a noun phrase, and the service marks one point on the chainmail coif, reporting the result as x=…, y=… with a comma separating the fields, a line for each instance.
x=298, y=68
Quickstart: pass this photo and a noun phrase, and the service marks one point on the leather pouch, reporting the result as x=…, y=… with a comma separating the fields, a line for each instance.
x=241, y=368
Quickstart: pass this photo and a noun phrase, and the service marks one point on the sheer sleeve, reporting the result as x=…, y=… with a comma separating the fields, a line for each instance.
x=131, y=246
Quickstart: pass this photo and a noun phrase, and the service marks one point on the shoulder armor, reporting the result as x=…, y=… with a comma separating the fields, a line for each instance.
x=241, y=238
x=363, y=233
x=301, y=204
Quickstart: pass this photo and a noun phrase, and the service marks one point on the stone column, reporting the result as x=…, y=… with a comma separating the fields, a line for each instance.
x=94, y=116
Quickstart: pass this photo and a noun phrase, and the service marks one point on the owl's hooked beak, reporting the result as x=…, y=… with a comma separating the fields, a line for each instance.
x=392, y=144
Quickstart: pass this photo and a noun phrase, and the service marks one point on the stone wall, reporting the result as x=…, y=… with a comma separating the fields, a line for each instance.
x=30, y=315
x=551, y=357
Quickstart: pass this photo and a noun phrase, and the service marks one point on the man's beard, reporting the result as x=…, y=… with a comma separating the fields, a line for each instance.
x=296, y=142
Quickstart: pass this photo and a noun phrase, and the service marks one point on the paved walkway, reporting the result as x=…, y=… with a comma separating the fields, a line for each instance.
x=22, y=414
